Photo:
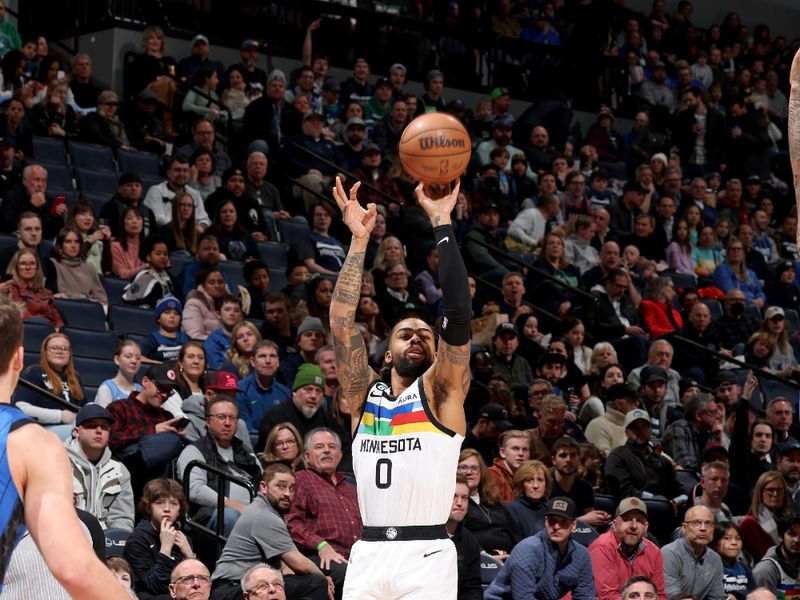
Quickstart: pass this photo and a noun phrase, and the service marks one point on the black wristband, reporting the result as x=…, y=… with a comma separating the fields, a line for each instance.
x=456, y=303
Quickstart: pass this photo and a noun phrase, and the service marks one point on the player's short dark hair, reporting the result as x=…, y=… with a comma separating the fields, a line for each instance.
x=274, y=469
x=10, y=331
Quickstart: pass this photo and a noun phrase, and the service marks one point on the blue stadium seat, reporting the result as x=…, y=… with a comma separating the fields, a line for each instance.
x=233, y=271
x=96, y=200
x=8, y=242
x=91, y=156
x=91, y=344
x=606, y=503
x=96, y=182
x=115, y=541
x=130, y=319
x=149, y=181
x=31, y=358
x=752, y=309
x=94, y=371
x=715, y=307
x=34, y=334
x=178, y=260
x=59, y=177
x=793, y=319
x=682, y=280
x=141, y=163
x=114, y=287
x=277, y=281
x=49, y=150
x=293, y=233
x=84, y=314
x=89, y=392
x=274, y=254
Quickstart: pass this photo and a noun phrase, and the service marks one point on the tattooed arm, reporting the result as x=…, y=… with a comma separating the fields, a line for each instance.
x=448, y=379
x=352, y=365
x=794, y=129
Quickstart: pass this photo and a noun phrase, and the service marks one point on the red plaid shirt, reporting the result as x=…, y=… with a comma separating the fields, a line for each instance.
x=324, y=511
x=133, y=420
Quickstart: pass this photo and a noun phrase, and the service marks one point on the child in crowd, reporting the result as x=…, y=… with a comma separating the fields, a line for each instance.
x=128, y=358
x=153, y=283
x=736, y=576
x=218, y=341
x=122, y=571
x=599, y=194
x=165, y=343
x=256, y=274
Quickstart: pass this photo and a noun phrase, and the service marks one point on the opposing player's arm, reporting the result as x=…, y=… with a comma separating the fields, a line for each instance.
x=794, y=129
x=43, y=474
x=352, y=364
x=449, y=376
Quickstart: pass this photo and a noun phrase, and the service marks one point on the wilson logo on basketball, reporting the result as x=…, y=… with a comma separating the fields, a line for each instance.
x=440, y=141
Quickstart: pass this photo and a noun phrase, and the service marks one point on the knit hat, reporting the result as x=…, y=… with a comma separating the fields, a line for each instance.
x=129, y=177
x=310, y=324
x=168, y=302
x=308, y=374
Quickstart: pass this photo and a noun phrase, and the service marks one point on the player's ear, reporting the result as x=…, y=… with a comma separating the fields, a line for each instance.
x=387, y=358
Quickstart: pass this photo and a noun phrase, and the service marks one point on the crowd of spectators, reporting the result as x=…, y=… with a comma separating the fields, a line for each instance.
x=634, y=374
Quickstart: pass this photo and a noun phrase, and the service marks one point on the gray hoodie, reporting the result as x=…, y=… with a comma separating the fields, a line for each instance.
x=102, y=489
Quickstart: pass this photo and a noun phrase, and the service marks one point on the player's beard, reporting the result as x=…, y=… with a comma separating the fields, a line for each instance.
x=410, y=369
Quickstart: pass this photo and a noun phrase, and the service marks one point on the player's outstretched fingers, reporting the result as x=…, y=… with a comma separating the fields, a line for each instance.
x=354, y=191
x=339, y=194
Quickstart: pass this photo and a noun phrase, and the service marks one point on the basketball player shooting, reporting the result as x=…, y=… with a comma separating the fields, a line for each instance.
x=408, y=427
x=794, y=131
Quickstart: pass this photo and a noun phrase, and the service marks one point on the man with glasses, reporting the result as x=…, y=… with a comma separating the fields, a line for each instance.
x=143, y=434
x=190, y=580
x=778, y=570
x=262, y=582
x=549, y=564
x=623, y=552
x=221, y=449
x=101, y=485
x=159, y=197
x=691, y=568
x=204, y=137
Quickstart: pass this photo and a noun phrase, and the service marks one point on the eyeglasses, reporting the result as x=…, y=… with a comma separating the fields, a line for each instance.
x=397, y=275
x=224, y=418
x=697, y=524
x=774, y=491
x=468, y=468
x=190, y=579
x=59, y=349
x=265, y=586
x=286, y=443
x=537, y=394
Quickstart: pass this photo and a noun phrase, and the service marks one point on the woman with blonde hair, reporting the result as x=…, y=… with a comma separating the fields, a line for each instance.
x=769, y=505
x=283, y=444
x=55, y=373
x=244, y=337
x=26, y=288
x=128, y=358
x=53, y=117
x=783, y=360
x=153, y=71
x=390, y=249
x=553, y=261
x=532, y=483
x=733, y=273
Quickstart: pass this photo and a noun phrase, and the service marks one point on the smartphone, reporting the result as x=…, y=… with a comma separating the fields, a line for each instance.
x=182, y=424
x=57, y=201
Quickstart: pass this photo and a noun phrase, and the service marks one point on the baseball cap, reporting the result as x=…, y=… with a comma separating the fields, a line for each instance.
x=504, y=121
x=231, y=172
x=223, y=381
x=8, y=142
x=371, y=147
x=653, y=373
x=307, y=374
x=168, y=302
x=632, y=503
x=310, y=324
x=562, y=507
x=490, y=205
x=355, y=122
x=107, y=96
x=659, y=65
x=685, y=383
x=433, y=74
x=249, y=43
x=713, y=452
x=456, y=104
x=519, y=157
x=398, y=67
x=618, y=391
x=199, y=38
x=312, y=115
x=773, y=311
x=637, y=414
x=147, y=96
x=497, y=414
x=129, y=177
x=383, y=81
x=276, y=74
x=331, y=85
x=92, y=411
x=726, y=378
x=506, y=328
x=754, y=179
x=786, y=265
x=789, y=445
x=162, y=375
x=498, y=92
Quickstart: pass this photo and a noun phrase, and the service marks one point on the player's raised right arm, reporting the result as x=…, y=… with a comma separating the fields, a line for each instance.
x=352, y=364
x=794, y=128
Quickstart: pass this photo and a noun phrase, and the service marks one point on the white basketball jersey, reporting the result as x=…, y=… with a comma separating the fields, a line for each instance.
x=405, y=460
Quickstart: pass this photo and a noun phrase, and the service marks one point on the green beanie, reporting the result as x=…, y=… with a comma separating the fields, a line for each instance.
x=308, y=374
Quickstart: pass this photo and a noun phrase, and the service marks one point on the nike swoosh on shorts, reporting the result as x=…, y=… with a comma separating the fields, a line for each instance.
x=427, y=554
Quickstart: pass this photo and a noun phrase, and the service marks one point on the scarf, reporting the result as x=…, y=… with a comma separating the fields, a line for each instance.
x=766, y=518
x=75, y=277
x=116, y=127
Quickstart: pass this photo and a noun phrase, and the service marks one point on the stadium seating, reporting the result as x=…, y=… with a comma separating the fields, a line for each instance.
x=7, y=242
x=293, y=233
x=130, y=319
x=114, y=287
x=793, y=319
x=274, y=254
x=49, y=150
x=59, y=177
x=96, y=200
x=35, y=332
x=94, y=371
x=91, y=343
x=232, y=270
x=96, y=181
x=91, y=156
x=83, y=314
x=141, y=163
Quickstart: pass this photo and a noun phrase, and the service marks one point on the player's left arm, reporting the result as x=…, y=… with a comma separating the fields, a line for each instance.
x=449, y=377
x=794, y=128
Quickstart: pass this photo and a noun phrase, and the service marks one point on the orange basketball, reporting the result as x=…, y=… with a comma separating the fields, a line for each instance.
x=435, y=148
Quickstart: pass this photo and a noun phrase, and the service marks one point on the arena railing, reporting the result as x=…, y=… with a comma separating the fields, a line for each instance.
x=65, y=404
x=223, y=479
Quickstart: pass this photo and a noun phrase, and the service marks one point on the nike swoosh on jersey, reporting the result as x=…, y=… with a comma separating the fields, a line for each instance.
x=444, y=239
x=427, y=554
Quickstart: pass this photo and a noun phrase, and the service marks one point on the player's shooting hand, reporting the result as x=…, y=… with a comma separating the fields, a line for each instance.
x=327, y=555
x=360, y=220
x=436, y=206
